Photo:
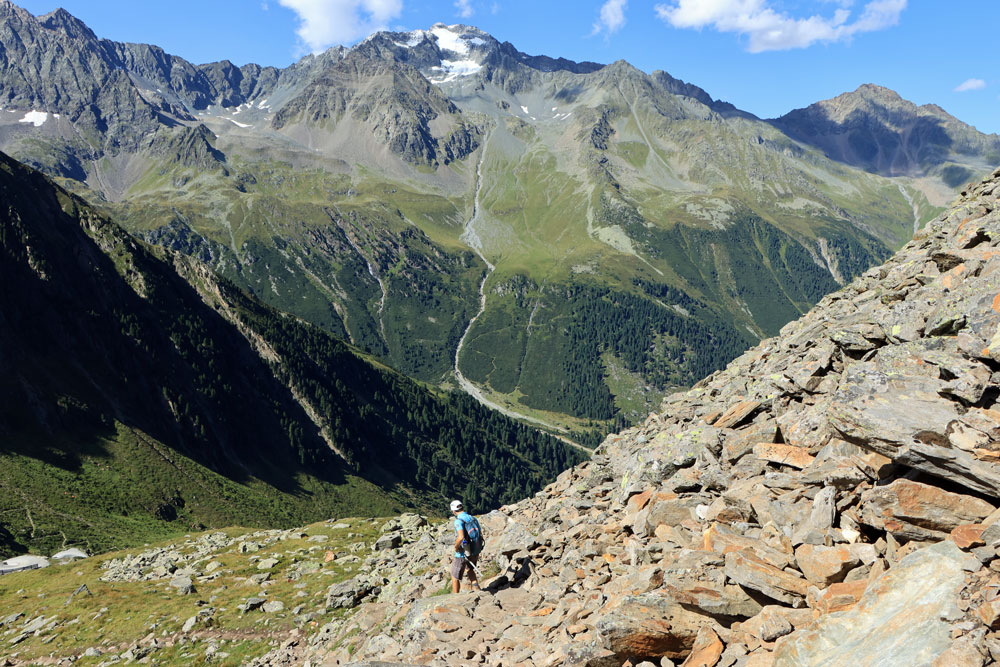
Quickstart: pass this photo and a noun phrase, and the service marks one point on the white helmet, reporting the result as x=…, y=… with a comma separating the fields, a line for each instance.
x=456, y=505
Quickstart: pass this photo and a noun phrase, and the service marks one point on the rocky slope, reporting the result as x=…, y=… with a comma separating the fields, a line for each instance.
x=831, y=497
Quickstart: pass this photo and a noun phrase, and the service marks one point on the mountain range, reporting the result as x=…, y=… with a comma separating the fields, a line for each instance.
x=566, y=241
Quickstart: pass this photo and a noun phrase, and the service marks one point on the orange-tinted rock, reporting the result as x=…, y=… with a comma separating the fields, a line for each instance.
x=989, y=613
x=968, y=535
x=826, y=565
x=916, y=511
x=639, y=500
x=788, y=455
x=839, y=597
x=747, y=569
x=651, y=624
x=707, y=650
x=736, y=414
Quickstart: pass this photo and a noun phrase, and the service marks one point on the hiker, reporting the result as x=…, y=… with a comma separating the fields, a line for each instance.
x=468, y=543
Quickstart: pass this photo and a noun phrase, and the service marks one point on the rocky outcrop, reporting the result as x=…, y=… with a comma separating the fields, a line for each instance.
x=829, y=498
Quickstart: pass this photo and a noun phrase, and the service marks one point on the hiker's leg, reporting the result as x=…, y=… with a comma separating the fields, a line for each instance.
x=472, y=573
x=457, y=565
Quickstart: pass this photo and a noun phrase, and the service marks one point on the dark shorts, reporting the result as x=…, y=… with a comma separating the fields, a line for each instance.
x=460, y=566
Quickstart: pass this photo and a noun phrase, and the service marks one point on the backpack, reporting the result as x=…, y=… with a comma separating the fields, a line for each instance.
x=477, y=541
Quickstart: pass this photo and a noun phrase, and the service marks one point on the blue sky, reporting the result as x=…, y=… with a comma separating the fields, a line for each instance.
x=764, y=56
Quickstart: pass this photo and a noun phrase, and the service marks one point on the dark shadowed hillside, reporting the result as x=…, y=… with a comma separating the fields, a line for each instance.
x=143, y=395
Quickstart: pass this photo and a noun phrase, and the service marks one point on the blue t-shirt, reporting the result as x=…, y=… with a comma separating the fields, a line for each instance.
x=460, y=521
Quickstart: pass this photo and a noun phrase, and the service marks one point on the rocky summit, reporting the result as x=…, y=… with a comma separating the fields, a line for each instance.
x=830, y=498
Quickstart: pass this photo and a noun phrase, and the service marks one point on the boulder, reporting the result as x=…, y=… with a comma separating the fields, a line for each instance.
x=895, y=405
x=916, y=511
x=184, y=585
x=902, y=618
x=787, y=455
x=824, y=565
x=821, y=517
x=514, y=538
x=649, y=625
x=389, y=541
x=749, y=570
x=707, y=649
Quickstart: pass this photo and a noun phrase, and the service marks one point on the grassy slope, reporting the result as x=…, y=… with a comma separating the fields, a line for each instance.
x=134, y=609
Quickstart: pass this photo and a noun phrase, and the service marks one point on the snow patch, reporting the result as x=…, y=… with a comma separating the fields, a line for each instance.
x=452, y=69
x=237, y=124
x=36, y=118
x=524, y=109
x=449, y=40
x=415, y=38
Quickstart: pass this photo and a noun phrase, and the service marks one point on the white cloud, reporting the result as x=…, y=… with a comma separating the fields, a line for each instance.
x=464, y=8
x=970, y=84
x=323, y=23
x=612, y=17
x=770, y=30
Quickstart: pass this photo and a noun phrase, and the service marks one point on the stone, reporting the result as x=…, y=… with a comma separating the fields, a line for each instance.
x=788, y=455
x=839, y=597
x=821, y=518
x=916, y=511
x=747, y=569
x=273, y=607
x=515, y=538
x=736, y=414
x=649, y=624
x=251, y=604
x=668, y=511
x=968, y=535
x=824, y=565
x=989, y=613
x=389, y=541
x=902, y=619
x=963, y=652
x=189, y=624
x=706, y=651
x=768, y=625
x=866, y=410
x=717, y=601
x=267, y=564
x=184, y=585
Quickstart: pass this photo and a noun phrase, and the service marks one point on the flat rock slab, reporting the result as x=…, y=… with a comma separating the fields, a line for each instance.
x=900, y=621
x=787, y=455
x=916, y=511
x=750, y=571
x=895, y=406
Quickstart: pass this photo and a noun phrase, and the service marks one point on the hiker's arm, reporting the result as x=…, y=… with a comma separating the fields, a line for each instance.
x=459, y=538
